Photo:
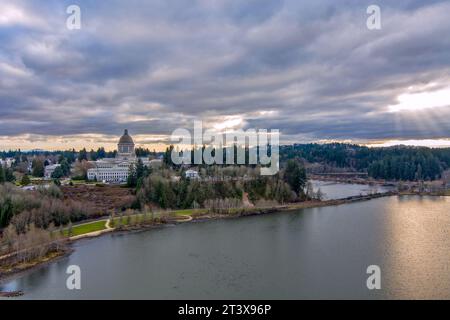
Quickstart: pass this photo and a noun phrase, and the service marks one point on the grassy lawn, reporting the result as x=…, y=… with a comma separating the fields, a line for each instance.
x=136, y=218
x=139, y=216
x=86, y=228
x=78, y=181
x=133, y=219
x=188, y=212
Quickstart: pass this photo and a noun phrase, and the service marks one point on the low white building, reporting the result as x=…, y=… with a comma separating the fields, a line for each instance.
x=109, y=170
x=48, y=170
x=7, y=162
x=446, y=178
x=29, y=188
x=116, y=169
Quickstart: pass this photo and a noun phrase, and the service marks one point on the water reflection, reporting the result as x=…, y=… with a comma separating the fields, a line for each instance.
x=336, y=190
x=417, y=234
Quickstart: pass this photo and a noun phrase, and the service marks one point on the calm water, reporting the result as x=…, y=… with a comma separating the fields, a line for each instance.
x=311, y=253
x=335, y=190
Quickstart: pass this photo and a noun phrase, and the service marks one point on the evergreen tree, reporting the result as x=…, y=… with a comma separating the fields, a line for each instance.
x=132, y=178
x=58, y=173
x=9, y=175
x=101, y=153
x=65, y=167
x=38, y=167
x=93, y=155
x=2, y=174
x=6, y=212
x=167, y=158
x=295, y=176
x=70, y=155
x=82, y=155
x=140, y=169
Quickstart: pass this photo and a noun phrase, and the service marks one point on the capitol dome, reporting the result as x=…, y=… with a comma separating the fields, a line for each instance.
x=126, y=146
x=126, y=138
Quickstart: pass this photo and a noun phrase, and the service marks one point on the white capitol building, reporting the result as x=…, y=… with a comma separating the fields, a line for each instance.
x=116, y=169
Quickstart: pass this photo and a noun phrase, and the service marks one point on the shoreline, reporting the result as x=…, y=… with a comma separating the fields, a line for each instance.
x=19, y=271
x=22, y=269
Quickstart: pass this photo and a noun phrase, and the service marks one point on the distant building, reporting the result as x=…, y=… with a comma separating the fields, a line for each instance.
x=33, y=187
x=29, y=188
x=446, y=178
x=30, y=167
x=7, y=162
x=191, y=174
x=116, y=169
x=48, y=170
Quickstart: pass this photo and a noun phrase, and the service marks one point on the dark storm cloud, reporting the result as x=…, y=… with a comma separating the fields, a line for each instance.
x=157, y=65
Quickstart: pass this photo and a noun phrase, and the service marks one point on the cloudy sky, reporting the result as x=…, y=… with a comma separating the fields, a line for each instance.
x=309, y=68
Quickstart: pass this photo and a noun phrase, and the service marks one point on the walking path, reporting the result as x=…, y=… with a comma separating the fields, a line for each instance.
x=108, y=228
x=184, y=218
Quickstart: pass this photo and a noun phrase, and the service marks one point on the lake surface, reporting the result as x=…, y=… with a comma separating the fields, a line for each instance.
x=336, y=190
x=311, y=253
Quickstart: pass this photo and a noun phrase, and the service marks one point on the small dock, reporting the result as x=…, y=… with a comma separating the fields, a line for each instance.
x=11, y=294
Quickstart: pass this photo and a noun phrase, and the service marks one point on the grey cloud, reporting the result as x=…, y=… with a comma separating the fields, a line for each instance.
x=170, y=62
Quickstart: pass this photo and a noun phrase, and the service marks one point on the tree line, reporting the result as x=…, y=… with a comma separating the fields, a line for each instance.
x=399, y=162
x=166, y=190
x=42, y=207
x=72, y=155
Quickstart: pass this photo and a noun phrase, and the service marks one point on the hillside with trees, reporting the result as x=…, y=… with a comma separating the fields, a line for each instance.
x=42, y=207
x=393, y=163
x=227, y=184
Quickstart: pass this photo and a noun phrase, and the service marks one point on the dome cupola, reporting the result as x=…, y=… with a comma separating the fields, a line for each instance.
x=126, y=146
x=126, y=138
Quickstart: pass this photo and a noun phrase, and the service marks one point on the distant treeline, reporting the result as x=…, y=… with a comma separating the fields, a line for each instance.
x=72, y=155
x=398, y=163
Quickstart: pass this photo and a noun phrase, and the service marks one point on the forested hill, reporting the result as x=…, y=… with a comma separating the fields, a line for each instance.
x=399, y=162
